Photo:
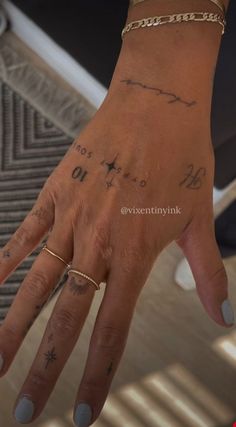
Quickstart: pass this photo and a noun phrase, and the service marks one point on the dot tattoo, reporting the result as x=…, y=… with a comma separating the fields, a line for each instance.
x=50, y=357
x=193, y=180
x=79, y=174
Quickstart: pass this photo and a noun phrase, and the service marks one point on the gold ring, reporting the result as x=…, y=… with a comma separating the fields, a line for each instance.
x=45, y=248
x=85, y=276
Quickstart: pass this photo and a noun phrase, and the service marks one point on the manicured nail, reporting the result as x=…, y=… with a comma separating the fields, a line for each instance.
x=83, y=415
x=24, y=410
x=1, y=362
x=227, y=312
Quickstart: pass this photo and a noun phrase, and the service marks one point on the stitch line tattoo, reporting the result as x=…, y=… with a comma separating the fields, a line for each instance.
x=160, y=92
x=193, y=180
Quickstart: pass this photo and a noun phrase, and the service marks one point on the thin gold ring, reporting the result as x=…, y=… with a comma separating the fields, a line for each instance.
x=45, y=248
x=85, y=277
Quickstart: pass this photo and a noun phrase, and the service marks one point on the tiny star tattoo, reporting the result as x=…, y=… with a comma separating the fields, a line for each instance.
x=171, y=97
x=193, y=180
x=50, y=357
x=50, y=338
x=78, y=287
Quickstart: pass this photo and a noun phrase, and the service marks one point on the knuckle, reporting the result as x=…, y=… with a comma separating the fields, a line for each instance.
x=108, y=337
x=64, y=323
x=36, y=285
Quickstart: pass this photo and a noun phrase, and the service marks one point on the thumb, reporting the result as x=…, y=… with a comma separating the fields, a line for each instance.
x=200, y=248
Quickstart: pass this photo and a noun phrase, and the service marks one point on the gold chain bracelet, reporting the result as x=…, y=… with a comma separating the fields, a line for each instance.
x=216, y=2
x=154, y=21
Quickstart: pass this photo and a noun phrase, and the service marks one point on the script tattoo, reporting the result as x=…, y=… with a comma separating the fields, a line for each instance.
x=193, y=180
x=79, y=174
x=173, y=98
x=78, y=286
x=50, y=357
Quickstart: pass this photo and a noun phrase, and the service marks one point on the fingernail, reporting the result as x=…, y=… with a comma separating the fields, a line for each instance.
x=1, y=362
x=227, y=312
x=83, y=415
x=24, y=410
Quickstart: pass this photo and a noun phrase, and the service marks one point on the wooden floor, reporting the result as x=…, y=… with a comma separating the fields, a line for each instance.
x=178, y=369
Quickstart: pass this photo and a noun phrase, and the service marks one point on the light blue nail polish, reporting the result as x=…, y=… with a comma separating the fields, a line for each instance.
x=1, y=362
x=227, y=312
x=83, y=415
x=24, y=410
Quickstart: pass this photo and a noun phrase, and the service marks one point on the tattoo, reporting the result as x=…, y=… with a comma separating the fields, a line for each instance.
x=38, y=309
x=82, y=150
x=109, y=184
x=160, y=92
x=6, y=253
x=112, y=166
x=50, y=357
x=79, y=173
x=109, y=369
x=41, y=214
x=193, y=180
x=79, y=286
x=50, y=338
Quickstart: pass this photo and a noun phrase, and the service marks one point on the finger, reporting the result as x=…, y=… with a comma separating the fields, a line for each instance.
x=109, y=339
x=28, y=235
x=32, y=295
x=201, y=250
x=61, y=334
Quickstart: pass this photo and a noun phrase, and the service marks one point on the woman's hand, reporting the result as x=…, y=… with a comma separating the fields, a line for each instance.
x=147, y=148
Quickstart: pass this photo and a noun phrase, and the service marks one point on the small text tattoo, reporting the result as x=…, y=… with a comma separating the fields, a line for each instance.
x=193, y=179
x=78, y=286
x=50, y=357
x=79, y=174
x=173, y=98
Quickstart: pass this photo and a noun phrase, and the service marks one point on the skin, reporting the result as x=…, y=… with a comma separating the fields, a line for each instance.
x=148, y=145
